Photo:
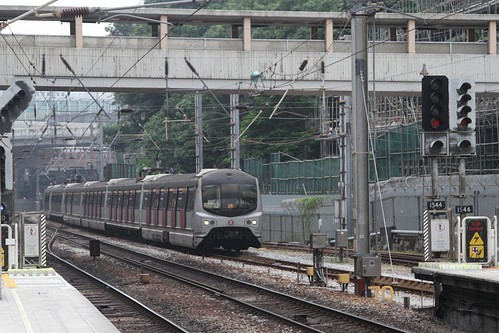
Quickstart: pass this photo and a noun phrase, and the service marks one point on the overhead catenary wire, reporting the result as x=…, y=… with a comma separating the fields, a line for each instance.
x=206, y=2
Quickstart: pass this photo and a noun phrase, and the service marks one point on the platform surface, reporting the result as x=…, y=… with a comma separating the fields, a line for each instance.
x=43, y=301
x=472, y=276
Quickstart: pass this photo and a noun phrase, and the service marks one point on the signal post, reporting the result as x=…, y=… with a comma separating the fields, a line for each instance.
x=448, y=121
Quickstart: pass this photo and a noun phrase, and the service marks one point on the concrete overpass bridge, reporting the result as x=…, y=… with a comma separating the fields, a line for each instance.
x=224, y=65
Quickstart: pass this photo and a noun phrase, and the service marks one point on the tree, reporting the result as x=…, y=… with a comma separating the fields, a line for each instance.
x=291, y=129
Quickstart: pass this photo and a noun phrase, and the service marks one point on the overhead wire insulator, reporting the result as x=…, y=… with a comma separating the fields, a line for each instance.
x=73, y=12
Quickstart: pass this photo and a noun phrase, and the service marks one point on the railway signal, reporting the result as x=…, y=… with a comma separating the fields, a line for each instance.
x=4, y=215
x=434, y=144
x=6, y=167
x=435, y=103
x=13, y=102
x=462, y=116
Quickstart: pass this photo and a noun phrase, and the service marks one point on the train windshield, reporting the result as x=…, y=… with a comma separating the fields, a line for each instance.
x=230, y=199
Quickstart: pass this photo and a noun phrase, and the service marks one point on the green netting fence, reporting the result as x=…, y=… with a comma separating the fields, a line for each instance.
x=397, y=154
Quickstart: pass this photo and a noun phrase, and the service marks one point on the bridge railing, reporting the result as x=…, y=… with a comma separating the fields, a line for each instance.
x=236, y=44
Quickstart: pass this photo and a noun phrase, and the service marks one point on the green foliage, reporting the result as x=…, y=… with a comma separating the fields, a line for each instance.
x=308, y=207
x=290, y=130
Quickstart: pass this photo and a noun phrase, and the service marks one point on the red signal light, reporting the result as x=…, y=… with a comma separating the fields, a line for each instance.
x=435, y=123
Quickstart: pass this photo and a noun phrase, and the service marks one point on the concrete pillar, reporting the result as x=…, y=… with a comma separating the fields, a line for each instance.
x=411, y=36
x=328, y=35
x=246, y=34
x=163, y=28
x=492, y=42
x=77, y=31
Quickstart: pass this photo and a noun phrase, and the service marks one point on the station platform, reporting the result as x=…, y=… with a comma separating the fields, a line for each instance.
x=466, y=295
x=40, y=300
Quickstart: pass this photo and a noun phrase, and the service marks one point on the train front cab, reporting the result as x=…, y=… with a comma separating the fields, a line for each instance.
x=229, y=211
x=53, y=196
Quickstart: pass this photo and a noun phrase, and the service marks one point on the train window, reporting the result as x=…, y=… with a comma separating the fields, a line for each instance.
x=181, y=198
x=230, y=199
x=172, y=199
x=166, y=196
x=137, y=199
x=126, y=200
x=131, y=199
x=162, y=198
x=155, y=199
x=211, y=196
x=147, y=196
x=110, y=199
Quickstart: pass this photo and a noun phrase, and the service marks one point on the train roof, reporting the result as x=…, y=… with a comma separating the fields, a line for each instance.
x=158, y=180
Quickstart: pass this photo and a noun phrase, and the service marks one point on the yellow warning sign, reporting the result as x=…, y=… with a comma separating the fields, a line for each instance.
x=477, y=252
x=476, y=239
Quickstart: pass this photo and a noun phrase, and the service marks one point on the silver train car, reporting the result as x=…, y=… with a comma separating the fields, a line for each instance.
x=211, y=209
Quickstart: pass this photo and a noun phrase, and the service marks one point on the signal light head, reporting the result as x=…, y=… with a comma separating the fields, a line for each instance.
x=463, y=89
x=435, y=83
x=464, y=122
x=462, y=104
x=435, y=106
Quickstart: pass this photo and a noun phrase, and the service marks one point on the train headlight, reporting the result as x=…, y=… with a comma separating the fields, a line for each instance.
x=208, y=222
x=251, y=222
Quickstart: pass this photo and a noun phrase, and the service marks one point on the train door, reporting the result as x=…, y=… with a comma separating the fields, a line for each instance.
x=120, y=205
x=181, y=205
x=130, y=206
x=110, y=201
x=133, y=200
x=126, y=194
x=92, y=204
x=66, y=203
x=163, y=201
x=71, y=195
x=85, y=204
x=172, y=204
x=189, y=211
x=97, y=204
x=116, y=200
x=154, y=208
x=147, y=205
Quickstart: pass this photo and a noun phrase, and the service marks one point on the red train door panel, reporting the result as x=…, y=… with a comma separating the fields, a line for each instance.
x=181, y=204
x=172, y=206
x=162, y=206
x=147, y=205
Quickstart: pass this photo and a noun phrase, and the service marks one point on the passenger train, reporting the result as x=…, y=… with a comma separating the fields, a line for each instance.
x=211, y=209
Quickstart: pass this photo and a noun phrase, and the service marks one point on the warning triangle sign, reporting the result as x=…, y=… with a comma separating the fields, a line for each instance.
x=476, y=239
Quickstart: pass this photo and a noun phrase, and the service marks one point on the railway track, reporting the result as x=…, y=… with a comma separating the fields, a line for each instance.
x=285, y=309
x=401, y=284
x=409, y=259
x=126, y=313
